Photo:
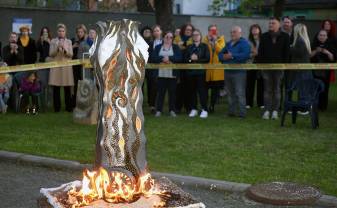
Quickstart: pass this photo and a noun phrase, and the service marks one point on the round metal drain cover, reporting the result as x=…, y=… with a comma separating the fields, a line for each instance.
x=283, y=193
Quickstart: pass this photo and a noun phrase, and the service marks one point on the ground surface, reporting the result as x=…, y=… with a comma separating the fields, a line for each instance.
x=20, y=185
x=231, y=149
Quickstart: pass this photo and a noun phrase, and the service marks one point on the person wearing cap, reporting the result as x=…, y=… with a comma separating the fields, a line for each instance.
x=28, y=45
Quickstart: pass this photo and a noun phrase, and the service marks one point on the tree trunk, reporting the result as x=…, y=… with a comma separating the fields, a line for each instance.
x=144, y=6
x=164, y=14
x=278, y=8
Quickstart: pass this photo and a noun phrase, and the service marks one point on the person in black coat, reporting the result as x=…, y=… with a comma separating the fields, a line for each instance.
x=166, y=53
x=29, y=46
x=274, y=48
x=43, y=46
x=323, y=51
x=150, y=74
x=300, y=51
x=13, y=53
x=197, y=52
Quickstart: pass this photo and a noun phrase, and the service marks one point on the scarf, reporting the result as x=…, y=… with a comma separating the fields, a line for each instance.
x=24, y=40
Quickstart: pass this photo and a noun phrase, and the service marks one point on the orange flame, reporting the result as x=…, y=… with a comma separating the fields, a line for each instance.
x=115, y=187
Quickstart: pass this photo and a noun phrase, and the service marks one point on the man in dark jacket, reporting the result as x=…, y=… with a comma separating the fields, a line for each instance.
x=274, y=48
x=13, y=53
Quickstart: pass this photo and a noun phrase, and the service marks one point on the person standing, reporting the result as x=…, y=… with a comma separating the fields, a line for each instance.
x=274, y=48
x=300, y=51
x=287, y=27
x=330, y=27
x=81, y=34
x=183, y=40
x=214, y=77
x=61, y=50
x=150, y=74
x=43, y=46
x=166, y=53
x=84, y=49
x=254, y=76
x=29, y=46
x=13, y=53
x=197, y=52
x=323, y=51
x=237, y=51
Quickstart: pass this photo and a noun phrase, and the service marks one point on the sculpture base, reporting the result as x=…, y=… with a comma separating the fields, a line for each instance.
x=57, y=197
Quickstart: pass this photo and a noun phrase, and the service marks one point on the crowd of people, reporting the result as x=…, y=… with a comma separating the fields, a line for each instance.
x=282, y=43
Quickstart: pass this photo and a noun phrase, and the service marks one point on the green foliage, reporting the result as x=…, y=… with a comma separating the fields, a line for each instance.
x=249, y=7
x=246, y=7
x=217, y=7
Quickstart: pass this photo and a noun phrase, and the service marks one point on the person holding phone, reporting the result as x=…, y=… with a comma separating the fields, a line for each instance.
x=197, y=52
x=61, y=50
x=214, y=78
x=13, y=53
x=323, y=51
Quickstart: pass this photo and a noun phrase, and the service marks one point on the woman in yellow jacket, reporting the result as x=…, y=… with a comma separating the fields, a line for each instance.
x=214, y=77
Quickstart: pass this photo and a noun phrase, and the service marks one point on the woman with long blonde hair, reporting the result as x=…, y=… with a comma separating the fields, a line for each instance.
x=300, y=51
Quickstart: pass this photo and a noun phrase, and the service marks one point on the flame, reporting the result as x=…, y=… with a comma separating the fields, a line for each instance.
x=113, y=187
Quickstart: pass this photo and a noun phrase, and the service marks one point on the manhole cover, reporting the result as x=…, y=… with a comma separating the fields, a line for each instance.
x=283, y=193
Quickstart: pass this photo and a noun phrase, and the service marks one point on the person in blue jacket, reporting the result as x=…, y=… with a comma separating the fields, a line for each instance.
x=166, y=53
x=237, y=51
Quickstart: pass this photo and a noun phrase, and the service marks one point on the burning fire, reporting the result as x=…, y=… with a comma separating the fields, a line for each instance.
x=113, y=187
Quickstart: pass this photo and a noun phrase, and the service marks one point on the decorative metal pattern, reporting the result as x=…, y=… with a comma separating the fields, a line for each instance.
x=119, y=55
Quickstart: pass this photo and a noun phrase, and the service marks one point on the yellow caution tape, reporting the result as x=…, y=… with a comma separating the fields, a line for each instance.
x=86, y=64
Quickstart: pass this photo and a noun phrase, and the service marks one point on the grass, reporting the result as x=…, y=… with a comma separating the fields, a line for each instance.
x=249, y=151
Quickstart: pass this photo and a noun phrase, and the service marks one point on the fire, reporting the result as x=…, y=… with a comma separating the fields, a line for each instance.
x=113, y=187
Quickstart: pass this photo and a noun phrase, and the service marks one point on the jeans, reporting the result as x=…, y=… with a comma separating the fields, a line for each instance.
x=197, y=86
x=3, y=99
x=164, y=84
x=272, y=89
x=236, y=88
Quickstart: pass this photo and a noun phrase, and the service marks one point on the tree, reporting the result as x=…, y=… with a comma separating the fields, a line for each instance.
x=164, y=14
x=144, y=6
x=278, y=8
x=247, y=7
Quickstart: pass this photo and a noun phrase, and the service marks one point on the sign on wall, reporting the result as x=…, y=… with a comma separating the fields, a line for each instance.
x=19, y=22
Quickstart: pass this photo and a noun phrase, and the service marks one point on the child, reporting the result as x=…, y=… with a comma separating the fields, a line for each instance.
x=30, y=87
x=5, y=85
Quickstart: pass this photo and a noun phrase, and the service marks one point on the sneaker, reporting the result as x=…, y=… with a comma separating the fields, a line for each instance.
x=173, y=114
x=274, y=115
x=262, y=107
x=193, y=113
x=4, y=110
x=266, y=115
x=158, y=114
x=303, y=113
x=203, y=114
x=152, y=110
x=248, y=107
x=34, y=111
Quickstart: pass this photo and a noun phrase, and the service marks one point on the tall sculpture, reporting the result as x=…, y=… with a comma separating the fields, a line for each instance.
x=119, y=55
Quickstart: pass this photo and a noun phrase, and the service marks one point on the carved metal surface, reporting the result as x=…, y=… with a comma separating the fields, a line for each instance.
x=119, y=55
